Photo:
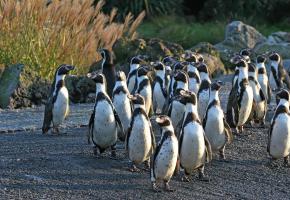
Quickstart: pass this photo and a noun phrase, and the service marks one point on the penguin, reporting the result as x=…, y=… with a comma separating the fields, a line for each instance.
x=194, y=78
x=203, y=92
x=194, y=147
x=143, y=87
x=166, y=154
x=176, y=67
x=122, y=102
x=240, y=99
x=278, y=75
x=159, y=88
x=104, y=123
x=180, y=81
x=57, y=106
x=279, y=132
x=215, y=126
x=263, y=77
x=140, y=141
x=168, y=62
x=132, y=75
x=260, y=103
x=245, y=53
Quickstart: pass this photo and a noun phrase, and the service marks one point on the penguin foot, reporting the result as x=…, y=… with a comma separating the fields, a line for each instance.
x=286, y=161
x=202, y=177
x=155, y=188
x=147, y=165
x=167, y=187
x=134, y=169
x=185, y=179
x=55, y=130
x=222, y=155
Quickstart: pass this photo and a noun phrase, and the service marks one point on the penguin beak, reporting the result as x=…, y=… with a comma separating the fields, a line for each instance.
x=91, y=75
x=69, y=67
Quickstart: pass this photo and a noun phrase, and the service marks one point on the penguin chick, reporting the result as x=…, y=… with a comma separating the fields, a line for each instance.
x=140, y=141
x=122, y=102
x=194, y=147
x=165, y=156
x=279, y=133
x=57, y=106
x=215, y=126
x=104, y=123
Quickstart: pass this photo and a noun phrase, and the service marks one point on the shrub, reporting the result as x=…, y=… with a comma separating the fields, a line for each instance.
x=43, y=36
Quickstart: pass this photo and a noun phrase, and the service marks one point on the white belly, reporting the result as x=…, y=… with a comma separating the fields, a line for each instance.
x=158, y=98
x=60, y=107
x=214, y=129
x=256, y=91
x=165, y=161
x=105, y=127
x=177, y=112
x=263, y=81
x=202, y=103
x=131, y=84
x=272, y=82
x=123, y=108
x=146, y=92
x=193, y=85
x=280, y=139
x=139, y=143
x=246, y=106
x=192, y=152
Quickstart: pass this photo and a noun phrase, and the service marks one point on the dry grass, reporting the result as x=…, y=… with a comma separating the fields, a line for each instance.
x=67, y=31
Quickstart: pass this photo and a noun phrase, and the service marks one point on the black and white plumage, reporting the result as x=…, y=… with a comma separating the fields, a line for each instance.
x=104, y=123
x=108, y=70
x=263, y=77
x=166, y=154
x=121, y=101
x=194, y=147
x=178, y=66
x=215, y=126
x=57, y=106
x=260, y=103
x=279, y=133
x=279, y=78
x=140, y=141
x=135, y=63
x=159, y=88
x=144, y=87
x=203, y=92
x=180, y=81
x=193, y=78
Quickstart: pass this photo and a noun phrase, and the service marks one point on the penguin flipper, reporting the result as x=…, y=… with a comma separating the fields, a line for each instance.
x=91, y=127
x=232, y=107
x=47, y=116
x=121, y=132
x=208, y=148
x=269, y=136
x=228, y=131
x=153, y=142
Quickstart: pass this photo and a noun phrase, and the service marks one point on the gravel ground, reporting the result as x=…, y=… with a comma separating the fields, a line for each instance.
x=36, y=166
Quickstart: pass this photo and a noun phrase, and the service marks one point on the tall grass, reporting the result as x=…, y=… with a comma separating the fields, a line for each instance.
x=69, y=31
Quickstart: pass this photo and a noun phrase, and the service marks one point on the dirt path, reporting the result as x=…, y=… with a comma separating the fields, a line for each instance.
x=36, y=166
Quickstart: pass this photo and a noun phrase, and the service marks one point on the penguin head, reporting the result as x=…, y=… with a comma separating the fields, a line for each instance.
x=242, y=64
x=64, y=69
x=190, y=56
x=274, y=57
x=98, y=78
x=136, y=60
x=142, y=71
x=178, y=66
x=282, y=94
x=159, y=66
x=245, y=52
x=169, y=60
x=163, y=120
x=120, y=76
x=202, y=67
x=261, y=59
x=137, y=100
x=200, y=58
x=181, y=75
x=107, y=56
x=252, y=68
x=244, y=82
x=216, y=86
x=189, y=97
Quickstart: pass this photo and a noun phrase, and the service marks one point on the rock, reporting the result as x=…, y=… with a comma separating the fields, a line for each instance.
x=8, y=83
x=237, y=36
x=211, y=57
x=279, y=37
x=282, y=48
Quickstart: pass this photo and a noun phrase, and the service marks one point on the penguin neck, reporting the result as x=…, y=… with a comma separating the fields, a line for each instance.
x=275, y=65
x=243, y=73
x=181, y=85
x=204, y=76
x=260, y=65
x=139, y=106
x=191, y=108
x=192, y=68
x=253, y=75
x=134, y=67
x=247, y=59
x=283, y=102
x=141, y=78
x=167, y=128
x=58, y=79
x=214, y=95
x=100, y=88
x=160, y=73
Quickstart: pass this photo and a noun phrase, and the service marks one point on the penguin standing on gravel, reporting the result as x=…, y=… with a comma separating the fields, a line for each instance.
x=57, y=106
x=122, y=102
x=144, y=88
x=140, y=141
x=215, y=126
x=159, y=88
x=165, y=156
x=132, y=75
x=104, y=124
x=203, y=92
x=279, y=133
x=278, y=75
x=263, y=77
x=260, y=103
x=243, y=54
x=108, y=70
x=194, y=147
x=240, y=100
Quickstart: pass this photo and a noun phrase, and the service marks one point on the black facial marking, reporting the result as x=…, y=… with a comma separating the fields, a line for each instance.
x=193, y=75
x=274, y=57
x=64, y=69
x=138, y=100
x=261, y=71
x=215, y=86
x=261, y=59
x=252, y=67
x=159, y=66
x=142, y=71
x=120, y=76
x=241, y=63
x=181, y=76
x=202, y=68
x=245, y=52
x=107, y=56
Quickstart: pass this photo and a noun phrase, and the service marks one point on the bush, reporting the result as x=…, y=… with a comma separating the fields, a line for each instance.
x=43, y=36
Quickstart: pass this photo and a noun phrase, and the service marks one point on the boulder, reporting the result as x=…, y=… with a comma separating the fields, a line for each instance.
x=211, y=57
x=279, y=37
x=282, y=48
x=9, y=82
